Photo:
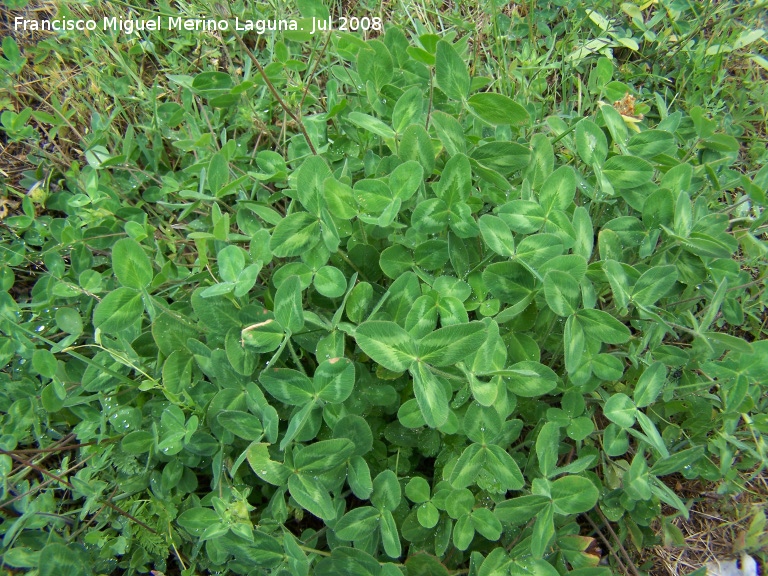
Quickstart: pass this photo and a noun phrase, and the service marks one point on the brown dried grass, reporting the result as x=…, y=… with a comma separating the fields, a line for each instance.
x=716, y=528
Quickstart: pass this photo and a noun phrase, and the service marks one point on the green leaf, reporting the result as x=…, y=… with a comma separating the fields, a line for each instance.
x=131, y=265
x=431, y=255
x=732, y=343
x=573, y=495
x=386, y=343
x=502, y=157
x=615, y=441
x=503, y=469
x=430, y=396
x=247, y=279
x=537, y=249
x=137, y=442
x=617, y=278
x=451, y=344
x=521, y=509
x=119, y=310
x=13, y=61
x=371, y=124
x=428, y=515
x=678, y=461
x=637, y=481
x=650, y=143
x=456, y=502
x=310, y=183
x=401, y=296
x=415, y=144
x=386, y=491
x=529, y=379
x=243, y=361
x=491, y=356
x=348, y=562
x=294, y=235
x=652, y=436
x=468, y=466
x=339, y=198
x=44, y=363
x=334, y=380
x=389, y=536
x=357, y=524
x=20, y=556
x=649, y=385
x=241, y=424
x=217, y=315
x=263, y=336
x=585, y=236
x=620, y=409
x=678, y=177
x=562, y=292
x=542, y=161
x=708, y=246
x=486, y=524
x=654, y=284
x=69, y=321
x=231, y=260
x=497, y=235
x=196, y=520
x=219, y=289
x=482, y=424
x=288, y=310
x=666, y=495
x=603, y=327
x=323, y=456
x=430, y=216
x=312, y=497
x=396, y=260
x=627, y=172
x=422, y=319
x=218, y=172
x=543, y=532
x=421, y=564
x=450, y=132
x=616, y=125
x=558, y=190
x=607, y=367
x=330, y=282
x=522, y=216
x=455, y=184
x=288, y=386
x=463, y=532
x=359, y=301
x=451, y=72
x=374, y=64
x=591, y=143
x=574, y=343
x=355, y=428
x=211, y=84
x=547, y=445
x=408, y=109
x=498, y=109
x=405, y=180
x=417, y=490
x=359, y=477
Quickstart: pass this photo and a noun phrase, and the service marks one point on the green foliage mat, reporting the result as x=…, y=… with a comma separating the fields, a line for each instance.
x=428, y=348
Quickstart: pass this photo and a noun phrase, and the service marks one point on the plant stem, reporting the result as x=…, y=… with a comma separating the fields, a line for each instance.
x=277, y=96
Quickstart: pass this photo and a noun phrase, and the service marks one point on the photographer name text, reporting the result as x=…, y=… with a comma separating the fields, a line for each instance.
x=134, y=26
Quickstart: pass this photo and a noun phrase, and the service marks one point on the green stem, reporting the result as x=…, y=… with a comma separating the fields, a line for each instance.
x=295, y=357
x=275, y=93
